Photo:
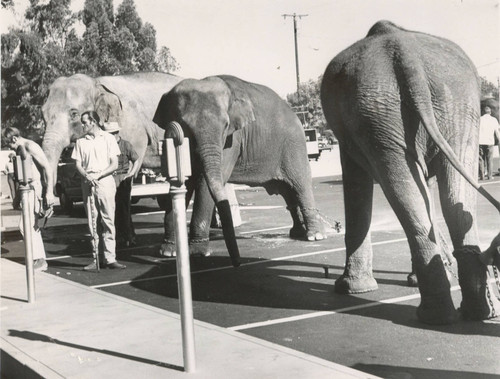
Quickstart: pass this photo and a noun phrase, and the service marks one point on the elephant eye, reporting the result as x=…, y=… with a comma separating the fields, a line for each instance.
x=74, y=114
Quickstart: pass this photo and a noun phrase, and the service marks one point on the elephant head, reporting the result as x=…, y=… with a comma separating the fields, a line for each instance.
x=209, y=112
x=68, y=98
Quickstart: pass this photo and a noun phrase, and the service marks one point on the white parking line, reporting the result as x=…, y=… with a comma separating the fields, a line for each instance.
x=242, y=208
x=242, y=265
x=327, y=313
x=266, y=230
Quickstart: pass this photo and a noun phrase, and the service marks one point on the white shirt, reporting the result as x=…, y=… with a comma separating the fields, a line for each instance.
x=487, y=126
x=94, y=153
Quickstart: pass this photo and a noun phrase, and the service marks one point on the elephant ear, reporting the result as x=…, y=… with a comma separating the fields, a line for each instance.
x=107, y=104
x=240, y=111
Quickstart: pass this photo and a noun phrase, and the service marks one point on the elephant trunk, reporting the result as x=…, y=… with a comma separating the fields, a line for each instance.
x=53, y=145
x=211, y=160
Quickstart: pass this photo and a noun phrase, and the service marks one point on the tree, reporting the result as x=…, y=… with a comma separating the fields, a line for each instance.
x=165, y=62
x=47, y=46
x=488, y=89
x=307, y=104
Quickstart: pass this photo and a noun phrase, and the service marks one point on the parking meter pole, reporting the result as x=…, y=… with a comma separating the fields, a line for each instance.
x=184, y=276
x=178, y=167
x=27, y=214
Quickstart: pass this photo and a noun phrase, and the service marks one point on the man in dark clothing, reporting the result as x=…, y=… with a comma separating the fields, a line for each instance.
x=125, y=233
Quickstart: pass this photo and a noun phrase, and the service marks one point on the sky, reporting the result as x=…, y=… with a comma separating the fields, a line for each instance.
x=252, y=40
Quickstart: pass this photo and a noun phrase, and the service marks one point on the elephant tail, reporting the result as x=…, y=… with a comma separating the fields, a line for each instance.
x=420, y=96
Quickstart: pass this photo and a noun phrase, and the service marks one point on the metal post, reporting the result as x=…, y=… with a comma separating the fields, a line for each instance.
x=296, y=51
x=177, y=174
x=184, y=276
x=27, y=214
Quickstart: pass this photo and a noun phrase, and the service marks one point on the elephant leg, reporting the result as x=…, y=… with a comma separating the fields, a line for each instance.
x=298, y=230
x=406, y=190
x=443, y=248
x=458, y=202
x=297, y=191
x=358, y=198
x=306, y=221
x=199, y=228
x=168, y=247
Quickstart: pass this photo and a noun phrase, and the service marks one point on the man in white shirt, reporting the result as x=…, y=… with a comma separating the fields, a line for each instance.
x=96, y=155
x=488, y=129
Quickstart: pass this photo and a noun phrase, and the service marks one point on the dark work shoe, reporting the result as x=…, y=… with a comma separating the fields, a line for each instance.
x=115, y=265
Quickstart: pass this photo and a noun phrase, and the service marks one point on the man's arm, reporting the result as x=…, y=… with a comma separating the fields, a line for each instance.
x=43, y=166
x=113, y=165
x=82, y=172
x=134, y=169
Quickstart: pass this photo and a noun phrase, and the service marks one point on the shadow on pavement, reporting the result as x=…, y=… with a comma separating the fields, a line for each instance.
x=400, y=372
x=43, y=338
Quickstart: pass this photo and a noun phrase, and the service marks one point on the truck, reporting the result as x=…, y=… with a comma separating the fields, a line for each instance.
x=312, y=144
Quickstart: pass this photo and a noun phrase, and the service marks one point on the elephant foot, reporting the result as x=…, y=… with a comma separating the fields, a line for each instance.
x=199, y=248
x=301, y=233
x=167, y=249
x=478, y=300
x=437, y=310
x=351, y=285
x=412, y=280
x=298, y=232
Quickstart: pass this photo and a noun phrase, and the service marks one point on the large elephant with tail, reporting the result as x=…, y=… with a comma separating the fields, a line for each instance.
x=130, y=100
x=405, y=107
x=244, y=133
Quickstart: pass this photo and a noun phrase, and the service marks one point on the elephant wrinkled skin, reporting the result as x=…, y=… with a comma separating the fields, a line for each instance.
x=405, y=108
x=241, y=133
x=130, y=100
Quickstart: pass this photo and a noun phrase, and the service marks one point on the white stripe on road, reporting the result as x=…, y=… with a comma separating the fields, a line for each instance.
x=327, y=313
x=242, y=208
x=266, y=230
x=242, y=265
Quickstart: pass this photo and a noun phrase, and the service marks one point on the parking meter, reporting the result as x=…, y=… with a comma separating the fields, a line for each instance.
x=176, y=166
x=23, y=164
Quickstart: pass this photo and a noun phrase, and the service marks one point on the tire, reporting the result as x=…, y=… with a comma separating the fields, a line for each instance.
x=66, y=203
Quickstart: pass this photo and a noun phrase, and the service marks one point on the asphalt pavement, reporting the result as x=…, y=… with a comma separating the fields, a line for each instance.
x=282, y=295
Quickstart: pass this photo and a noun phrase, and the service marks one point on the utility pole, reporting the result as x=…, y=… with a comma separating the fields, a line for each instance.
x=296, y=45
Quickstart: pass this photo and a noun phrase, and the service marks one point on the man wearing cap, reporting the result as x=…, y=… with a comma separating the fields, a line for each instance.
x=123, y=175
x=96, y=156
x=488, y=129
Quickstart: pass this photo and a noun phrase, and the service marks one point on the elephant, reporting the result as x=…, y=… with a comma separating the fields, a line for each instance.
x=128, y=99
x=405, y=108
x=241, y=133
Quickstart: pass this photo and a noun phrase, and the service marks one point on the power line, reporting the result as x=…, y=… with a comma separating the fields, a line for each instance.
x=294, y=16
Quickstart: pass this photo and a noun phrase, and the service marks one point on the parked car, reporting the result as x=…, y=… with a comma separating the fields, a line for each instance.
x=69, y=190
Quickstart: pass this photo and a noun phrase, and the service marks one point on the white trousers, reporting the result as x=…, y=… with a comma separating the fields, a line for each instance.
x=103, y=207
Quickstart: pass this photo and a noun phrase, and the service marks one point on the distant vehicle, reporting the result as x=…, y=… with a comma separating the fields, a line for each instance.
x=323, y=144
x=312, y=145
x=69, y=189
